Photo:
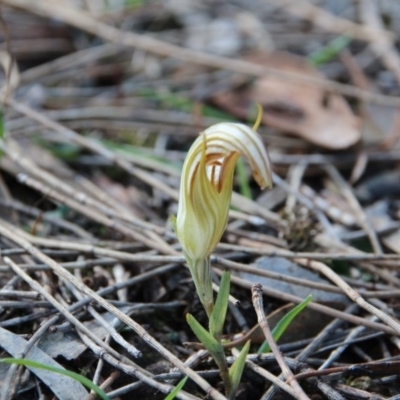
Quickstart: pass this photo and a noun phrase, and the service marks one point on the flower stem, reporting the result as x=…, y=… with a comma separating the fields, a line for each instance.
x=201, y=273
x=224, y=372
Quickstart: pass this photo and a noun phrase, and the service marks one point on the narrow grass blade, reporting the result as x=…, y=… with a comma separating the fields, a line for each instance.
x=177, y=389
x=217, y=318
x=209, y=342
x=330, y=51
x=33, y=364
x=236, y=370
x=284, y=323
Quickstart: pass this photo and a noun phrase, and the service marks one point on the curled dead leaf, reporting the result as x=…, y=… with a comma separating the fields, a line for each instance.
x=322, y=118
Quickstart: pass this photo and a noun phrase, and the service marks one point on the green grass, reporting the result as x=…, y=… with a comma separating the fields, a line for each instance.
x=84, y=381
x=329, y=52
x=284, y=322
x=177, y=389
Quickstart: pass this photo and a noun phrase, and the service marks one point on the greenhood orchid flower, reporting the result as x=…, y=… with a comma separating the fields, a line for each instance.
x=206, y=190
x=203, y=210
x=207, y=180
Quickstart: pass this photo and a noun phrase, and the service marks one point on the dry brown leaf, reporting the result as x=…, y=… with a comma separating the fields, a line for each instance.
x=322, y=118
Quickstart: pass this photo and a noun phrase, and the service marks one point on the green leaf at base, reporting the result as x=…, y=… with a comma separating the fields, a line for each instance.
x=284, y=323
x=33, y=364
x=209, y=342
x=217, y=318
x=236, y=369
x=177, y=389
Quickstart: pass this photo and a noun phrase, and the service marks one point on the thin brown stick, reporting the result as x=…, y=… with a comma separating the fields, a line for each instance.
x=157, y=244
x=105, y=385
x=349, y=195
x=350, y=292
x=266, y=374
x=262, y=320
x=252, y=269
x=14, y=152
x=370, y=367
x=108, y=327
x=90, y=249
x=269, y=249
x=315, y=306
x=329, y=22
x=134, y=370
x=63, y=310
x=61, y=272
x=91, y=145
x=82, y=20
x=239, y=201
x=380, y=43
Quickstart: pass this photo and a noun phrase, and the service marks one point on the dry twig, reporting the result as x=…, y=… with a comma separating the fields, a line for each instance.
x=287, y=373
x=80, y=19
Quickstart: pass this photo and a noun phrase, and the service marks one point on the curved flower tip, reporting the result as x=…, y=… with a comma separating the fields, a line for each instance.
x=226, y=138
x=207, y=180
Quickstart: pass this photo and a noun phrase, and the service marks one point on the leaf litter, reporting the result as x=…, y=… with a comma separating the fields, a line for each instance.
x=321, y=118
x=95, y=131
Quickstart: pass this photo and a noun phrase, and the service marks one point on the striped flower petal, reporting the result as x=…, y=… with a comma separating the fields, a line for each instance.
x=206, y=184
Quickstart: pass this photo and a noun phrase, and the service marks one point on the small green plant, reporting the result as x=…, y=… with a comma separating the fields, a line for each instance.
x=177, y=389
x=33, y=364
x=284, y=322
x=205, y=195
x=330, y=51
